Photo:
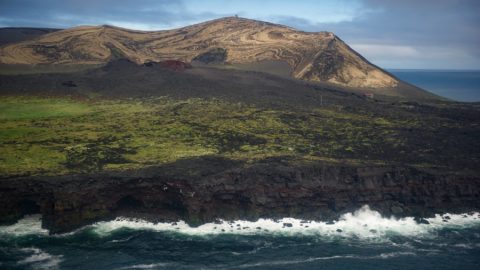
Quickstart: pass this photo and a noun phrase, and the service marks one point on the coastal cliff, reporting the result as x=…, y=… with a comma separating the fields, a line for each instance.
x=207, y=189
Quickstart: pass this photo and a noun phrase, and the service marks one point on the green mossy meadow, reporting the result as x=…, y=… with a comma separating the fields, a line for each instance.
x=62, y=135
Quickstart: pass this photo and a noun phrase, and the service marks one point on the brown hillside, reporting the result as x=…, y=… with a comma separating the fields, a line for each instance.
x=312, y=56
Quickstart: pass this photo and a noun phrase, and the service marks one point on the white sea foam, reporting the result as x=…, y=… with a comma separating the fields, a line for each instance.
x=392, y=255
x=363, y=223
x=145, y=266
x=39, y=259
x=28, y=225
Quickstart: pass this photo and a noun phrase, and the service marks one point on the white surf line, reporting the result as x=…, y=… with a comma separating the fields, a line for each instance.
x=363, y=223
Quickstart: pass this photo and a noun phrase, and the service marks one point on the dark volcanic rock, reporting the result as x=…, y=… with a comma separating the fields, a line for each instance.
x=224, y=189
x=175, y=65
x=421, y=221
x=216, y=55
x=69, y=84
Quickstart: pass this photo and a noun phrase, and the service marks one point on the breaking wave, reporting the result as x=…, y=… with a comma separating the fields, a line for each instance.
x=363, y=223
x=362, y=238
x=31, y=224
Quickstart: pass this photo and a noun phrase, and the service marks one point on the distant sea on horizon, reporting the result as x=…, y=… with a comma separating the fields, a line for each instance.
x=458, y=85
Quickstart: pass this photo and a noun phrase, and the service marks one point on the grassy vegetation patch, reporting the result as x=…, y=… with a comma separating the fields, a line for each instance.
x=34, y=108
x=57, y=136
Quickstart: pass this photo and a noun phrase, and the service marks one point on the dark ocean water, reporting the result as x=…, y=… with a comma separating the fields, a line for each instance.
x=456, y=85
x=360, y=240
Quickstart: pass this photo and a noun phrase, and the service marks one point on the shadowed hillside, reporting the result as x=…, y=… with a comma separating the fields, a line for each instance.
x=18, y=34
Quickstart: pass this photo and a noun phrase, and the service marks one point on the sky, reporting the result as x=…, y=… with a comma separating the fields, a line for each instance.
x=416, y=34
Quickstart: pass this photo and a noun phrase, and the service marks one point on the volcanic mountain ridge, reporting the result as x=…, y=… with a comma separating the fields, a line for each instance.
x=318, y=57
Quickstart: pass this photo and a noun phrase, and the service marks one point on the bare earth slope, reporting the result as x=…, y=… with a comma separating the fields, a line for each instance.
x=321, y=56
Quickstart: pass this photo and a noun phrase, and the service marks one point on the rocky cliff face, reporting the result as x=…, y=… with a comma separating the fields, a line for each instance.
x=224, y=189
x=321, y=56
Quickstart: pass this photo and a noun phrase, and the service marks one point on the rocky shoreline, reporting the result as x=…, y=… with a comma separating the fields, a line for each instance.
x=206, y=189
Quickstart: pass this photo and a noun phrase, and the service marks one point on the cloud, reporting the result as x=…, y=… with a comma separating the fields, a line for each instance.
x=399, y=56
x=169, y=13
x=427, y=33
x=147, y=14
x=378, y=51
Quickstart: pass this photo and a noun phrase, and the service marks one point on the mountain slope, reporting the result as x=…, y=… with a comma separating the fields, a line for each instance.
x=321, y=56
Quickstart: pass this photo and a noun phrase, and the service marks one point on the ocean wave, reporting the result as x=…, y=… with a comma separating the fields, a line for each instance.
x=363, y=223
x=39, y=259
x=300, y=261
x=336, y=257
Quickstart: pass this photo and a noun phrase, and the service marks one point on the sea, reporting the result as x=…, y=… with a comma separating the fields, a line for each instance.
x=457, y=85
x=362, y=239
